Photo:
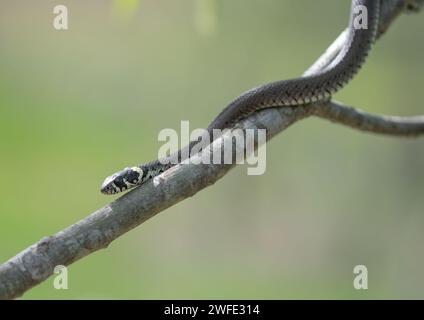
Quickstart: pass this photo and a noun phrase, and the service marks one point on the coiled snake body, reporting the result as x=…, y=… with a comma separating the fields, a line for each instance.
x=294, y=92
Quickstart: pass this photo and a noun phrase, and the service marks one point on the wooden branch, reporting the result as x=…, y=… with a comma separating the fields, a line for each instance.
x=36, y=263
x=360, y=120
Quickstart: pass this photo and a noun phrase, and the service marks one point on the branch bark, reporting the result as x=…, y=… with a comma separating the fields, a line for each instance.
x=36, y=263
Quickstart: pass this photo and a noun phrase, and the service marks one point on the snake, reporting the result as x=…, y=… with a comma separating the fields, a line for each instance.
x=284, y=93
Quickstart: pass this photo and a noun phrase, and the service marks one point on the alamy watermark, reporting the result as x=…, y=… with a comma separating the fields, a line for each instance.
x=236, y=146
x=60, y=20
x=360, y=282
x=361, y=17
x=60, y=282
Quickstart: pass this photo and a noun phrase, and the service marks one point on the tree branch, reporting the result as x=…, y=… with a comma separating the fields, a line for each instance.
x=36, y=263
x=358, y=119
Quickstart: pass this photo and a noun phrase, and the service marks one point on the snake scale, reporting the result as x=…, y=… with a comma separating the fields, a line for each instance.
x=293, y=92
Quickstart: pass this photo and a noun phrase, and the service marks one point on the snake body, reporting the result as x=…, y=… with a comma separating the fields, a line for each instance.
x=293, y=92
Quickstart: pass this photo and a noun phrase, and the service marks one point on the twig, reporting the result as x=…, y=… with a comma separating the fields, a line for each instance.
x=360, y=120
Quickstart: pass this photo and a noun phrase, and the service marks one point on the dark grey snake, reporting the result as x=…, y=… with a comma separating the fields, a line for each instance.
x=294, y=92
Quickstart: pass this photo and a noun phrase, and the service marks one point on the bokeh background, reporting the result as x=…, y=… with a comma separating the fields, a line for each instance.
x=77, y=105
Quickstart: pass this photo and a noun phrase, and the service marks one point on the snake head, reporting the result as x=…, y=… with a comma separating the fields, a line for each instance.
x=122, y=180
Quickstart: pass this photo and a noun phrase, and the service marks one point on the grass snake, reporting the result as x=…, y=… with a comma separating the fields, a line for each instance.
x=293, y=92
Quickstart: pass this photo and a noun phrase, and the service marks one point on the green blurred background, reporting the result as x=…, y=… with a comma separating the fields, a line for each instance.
x=77, y=105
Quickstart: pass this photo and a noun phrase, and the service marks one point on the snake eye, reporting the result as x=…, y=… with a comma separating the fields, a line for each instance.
x=135, y=175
